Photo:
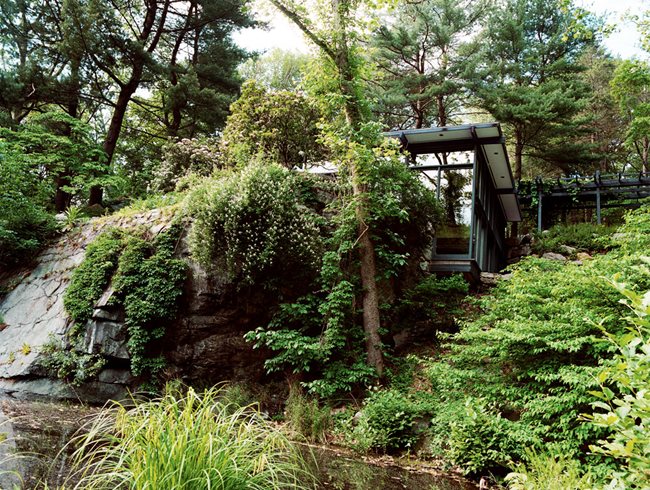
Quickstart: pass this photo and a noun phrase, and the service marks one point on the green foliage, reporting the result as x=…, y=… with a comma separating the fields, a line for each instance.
x=24, y=220
x=93, y=275
x=387, y=422
x=546, y=471
x=73, y=366
x=585, y=237
x=434, y=301
x=58, y=144
x=402, y=212
x=526, y=75
x=624, y=402
x=320, y=333
x=420, y=58
x=74, y=215
x=276, y=69
x=24, y=197
x=147, y=281
x=530, y=359
x=276, y=126
x=306, y=417
x=630, y=89
x=481, y=439
x=186, y=157
x=188, y=441
x=253, y=224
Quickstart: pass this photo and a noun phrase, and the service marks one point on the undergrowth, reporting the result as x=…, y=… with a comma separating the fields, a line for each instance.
x=584, y=237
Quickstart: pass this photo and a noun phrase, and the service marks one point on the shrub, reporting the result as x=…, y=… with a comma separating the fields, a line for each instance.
x=434, y=301
x=387, y=422
x=24, y=219
x=73, y=366
x=546, y=471
x=532, y=355
x=277, y=126
x=624, y=405
x=253, y=224
x=585, y=237
x=482, y=440
x=188, y=441
x=184, y=157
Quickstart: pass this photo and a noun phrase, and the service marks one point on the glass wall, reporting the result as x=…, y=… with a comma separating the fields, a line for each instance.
x=473, y=224
x=455, y=194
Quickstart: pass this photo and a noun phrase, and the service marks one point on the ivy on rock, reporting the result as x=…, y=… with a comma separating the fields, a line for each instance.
x=147, y=281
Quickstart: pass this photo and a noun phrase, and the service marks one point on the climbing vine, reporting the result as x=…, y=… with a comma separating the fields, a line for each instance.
x=147, y=281
x=320, y=336
x=93, y=275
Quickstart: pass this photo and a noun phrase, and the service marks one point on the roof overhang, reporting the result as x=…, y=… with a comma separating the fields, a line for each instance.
x=486, y=138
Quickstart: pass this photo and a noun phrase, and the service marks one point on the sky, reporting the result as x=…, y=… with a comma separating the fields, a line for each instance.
x=284, y=35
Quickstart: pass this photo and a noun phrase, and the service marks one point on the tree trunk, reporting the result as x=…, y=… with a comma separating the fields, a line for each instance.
x=368, y=266
x=442, y=113
x=115, y=126
x=339, y=52
x=128, y=89
x=62, y=198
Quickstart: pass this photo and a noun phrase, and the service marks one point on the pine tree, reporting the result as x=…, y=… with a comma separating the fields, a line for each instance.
x=420, y=57
x=526, y=75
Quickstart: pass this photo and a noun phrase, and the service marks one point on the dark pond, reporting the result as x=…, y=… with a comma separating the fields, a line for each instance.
x=39, y=430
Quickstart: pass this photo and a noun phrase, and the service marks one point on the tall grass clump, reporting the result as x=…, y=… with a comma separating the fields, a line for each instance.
x=546, y=471
x=190, y=441
x=307, y=418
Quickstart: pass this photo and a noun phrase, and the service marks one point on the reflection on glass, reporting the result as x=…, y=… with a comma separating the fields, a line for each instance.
x=453, y=235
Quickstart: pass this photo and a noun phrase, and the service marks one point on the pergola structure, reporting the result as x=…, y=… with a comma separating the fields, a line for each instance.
x=469, y=169
x=597, y=192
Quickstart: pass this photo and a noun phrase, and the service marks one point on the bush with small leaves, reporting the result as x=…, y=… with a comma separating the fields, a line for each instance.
x=253, y=224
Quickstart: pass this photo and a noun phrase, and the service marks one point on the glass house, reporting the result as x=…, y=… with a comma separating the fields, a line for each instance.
x=469, y=169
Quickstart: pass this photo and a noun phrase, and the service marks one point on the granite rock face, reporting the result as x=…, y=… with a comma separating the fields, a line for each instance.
x=205, y=344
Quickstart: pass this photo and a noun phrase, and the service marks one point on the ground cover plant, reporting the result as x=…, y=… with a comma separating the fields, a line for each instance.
x=526, y=366
x=517, y=378
x=584, y=237
x=623, y=405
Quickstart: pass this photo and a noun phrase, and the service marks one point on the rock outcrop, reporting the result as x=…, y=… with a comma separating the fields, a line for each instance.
x=205, y=344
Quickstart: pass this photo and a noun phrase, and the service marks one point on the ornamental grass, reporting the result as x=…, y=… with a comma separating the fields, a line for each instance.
x=188, y=441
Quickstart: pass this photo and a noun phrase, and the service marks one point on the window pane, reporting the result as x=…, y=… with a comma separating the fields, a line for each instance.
x=452, y=236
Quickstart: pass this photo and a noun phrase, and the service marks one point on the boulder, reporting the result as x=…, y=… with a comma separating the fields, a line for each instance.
x=566, y=249
x=107, y=338
x=553, y=256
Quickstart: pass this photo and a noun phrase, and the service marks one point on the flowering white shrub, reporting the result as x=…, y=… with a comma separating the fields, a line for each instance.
x=185, y=156
x=252, y=222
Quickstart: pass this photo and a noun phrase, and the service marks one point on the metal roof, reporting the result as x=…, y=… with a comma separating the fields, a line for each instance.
x=488, y=137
